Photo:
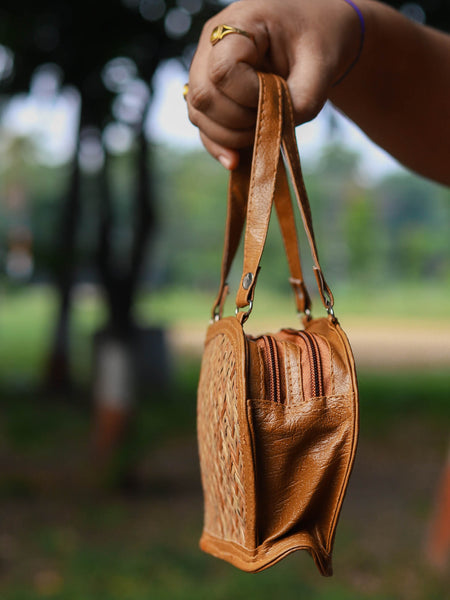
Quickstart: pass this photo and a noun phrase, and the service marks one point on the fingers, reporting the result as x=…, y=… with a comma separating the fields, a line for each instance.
x=236, y=79
x=217, y=107
x=225, y=136
x=224, y=86
x=223, y=143
x=228, y=158
x=223, y=91
x=308, y=95
x=230, y=65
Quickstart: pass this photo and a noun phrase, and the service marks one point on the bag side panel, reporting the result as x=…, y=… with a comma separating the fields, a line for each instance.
x=225, y=455
x=302, y=456
x=304, y=447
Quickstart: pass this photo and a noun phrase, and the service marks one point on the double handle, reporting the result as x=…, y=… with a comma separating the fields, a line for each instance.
x=254, y=187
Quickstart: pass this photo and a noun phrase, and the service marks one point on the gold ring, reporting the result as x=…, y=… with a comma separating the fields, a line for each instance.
x=219, y=32
x=185, y=90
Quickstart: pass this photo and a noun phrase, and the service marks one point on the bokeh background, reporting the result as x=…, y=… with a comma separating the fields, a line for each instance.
x=111, y=226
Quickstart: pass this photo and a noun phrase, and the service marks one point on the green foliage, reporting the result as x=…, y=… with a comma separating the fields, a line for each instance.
x=192, y=189
x=30, y=198
x=416, y=217
x=395, y=230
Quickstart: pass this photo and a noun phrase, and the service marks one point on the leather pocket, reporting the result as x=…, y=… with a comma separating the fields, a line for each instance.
x=302, y=452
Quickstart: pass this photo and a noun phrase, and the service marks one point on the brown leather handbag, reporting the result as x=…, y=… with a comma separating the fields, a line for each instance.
x=277, y=414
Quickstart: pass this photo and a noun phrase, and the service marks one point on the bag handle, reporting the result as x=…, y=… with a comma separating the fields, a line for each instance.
x=265, y=161
x=274, y=129
x=290, y=151
x=236, y=211
x=238, y=192
x=286, y=219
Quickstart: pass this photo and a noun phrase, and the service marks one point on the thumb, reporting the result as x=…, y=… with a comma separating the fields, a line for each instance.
x=309, y=87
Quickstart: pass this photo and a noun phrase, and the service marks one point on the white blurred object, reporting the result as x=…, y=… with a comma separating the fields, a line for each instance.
x=114, y=380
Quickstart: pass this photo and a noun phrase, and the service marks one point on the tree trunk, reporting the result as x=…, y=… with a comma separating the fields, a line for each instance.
x=116, y=372
x=58, y=373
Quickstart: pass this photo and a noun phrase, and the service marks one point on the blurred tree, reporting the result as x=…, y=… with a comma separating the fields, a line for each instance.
x=192, y=184
x=410, y=208
x=365, y=231
x=17, y=238
x=337, y=174
x=109, y=52
x=364, y=237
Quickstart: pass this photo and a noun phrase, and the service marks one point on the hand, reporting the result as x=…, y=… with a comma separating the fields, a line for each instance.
x=309, y=43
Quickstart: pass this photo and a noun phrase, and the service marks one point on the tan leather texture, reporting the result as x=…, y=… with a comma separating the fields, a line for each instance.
x=277, y=414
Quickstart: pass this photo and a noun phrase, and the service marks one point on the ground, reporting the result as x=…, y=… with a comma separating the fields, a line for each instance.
x=65, y=535
x=71, y=532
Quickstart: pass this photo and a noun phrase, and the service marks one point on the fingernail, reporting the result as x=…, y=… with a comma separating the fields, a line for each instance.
x=225, y=161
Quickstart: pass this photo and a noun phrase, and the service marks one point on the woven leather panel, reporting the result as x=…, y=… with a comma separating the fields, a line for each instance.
x=221, y=459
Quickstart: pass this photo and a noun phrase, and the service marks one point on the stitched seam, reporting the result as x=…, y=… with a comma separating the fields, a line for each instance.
x=338, y=397
x=288, y=367
x=261, y=370
x=333, y=383
x=279, y=126
x=257, y=144
x=332, y=377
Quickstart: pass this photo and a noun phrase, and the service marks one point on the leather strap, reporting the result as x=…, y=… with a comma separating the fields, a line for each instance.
x=268, y=183
x=266, y=156
x=237, y=208
x=286, y=219
x=290, y=151
x=236, y=212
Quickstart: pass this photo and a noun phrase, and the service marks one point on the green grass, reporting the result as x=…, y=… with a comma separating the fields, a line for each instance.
x=406, y=302
x=71, y=540
x=387, y=397
x=26, y=315
x=27, y=328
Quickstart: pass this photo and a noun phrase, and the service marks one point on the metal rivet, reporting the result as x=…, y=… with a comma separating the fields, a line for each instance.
x=247, y=281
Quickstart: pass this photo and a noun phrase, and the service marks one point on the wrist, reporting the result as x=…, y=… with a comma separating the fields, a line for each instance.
x=356, y=44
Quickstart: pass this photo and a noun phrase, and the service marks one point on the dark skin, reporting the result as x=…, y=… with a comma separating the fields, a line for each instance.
x=398, y=93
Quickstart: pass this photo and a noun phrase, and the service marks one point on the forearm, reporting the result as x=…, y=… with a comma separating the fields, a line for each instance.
x=399, y=91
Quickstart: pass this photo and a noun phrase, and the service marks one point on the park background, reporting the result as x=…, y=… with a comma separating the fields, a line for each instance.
x=111, y=227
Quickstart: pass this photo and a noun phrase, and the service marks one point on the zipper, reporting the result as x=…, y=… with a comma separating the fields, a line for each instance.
x=315, y=364
x=273, y=381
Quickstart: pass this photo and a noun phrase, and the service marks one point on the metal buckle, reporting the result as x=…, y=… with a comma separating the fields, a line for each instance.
x=330, y=310
x=215, y=315
x=245, y=315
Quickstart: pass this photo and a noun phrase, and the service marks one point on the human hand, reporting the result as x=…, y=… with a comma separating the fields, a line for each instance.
x=311, y=44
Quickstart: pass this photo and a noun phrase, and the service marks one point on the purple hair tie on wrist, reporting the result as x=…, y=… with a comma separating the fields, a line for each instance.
x=361, y=40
